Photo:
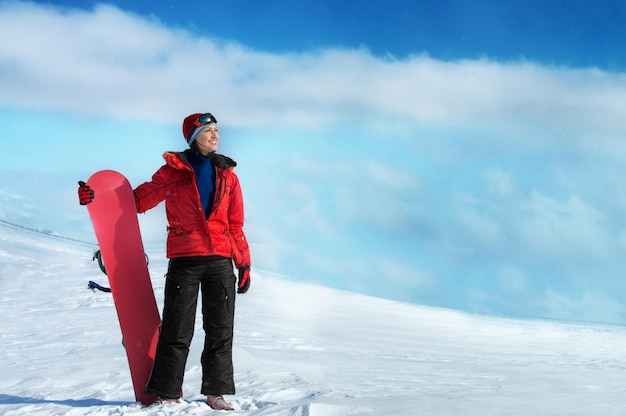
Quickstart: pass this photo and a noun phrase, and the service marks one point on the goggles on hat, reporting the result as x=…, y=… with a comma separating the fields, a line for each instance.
x=203, y=119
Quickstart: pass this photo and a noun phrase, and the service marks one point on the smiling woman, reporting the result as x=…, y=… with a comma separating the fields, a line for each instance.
x=427, y=175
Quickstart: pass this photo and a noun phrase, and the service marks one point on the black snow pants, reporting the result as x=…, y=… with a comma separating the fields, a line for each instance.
x=214, y=276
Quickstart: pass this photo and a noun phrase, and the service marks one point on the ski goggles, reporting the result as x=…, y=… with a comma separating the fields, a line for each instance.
x=206, y=118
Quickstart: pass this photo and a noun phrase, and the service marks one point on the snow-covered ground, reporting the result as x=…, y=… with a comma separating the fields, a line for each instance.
x=299, y=350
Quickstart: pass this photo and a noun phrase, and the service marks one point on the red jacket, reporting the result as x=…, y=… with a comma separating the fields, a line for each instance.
x=189, y=232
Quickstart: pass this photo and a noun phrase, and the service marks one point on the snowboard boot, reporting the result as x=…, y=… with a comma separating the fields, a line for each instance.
x=218, y=403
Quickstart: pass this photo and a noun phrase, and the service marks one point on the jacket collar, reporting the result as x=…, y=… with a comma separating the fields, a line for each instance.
x=180, y=160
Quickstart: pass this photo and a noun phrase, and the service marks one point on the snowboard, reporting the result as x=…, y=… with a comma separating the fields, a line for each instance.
x=114, y=218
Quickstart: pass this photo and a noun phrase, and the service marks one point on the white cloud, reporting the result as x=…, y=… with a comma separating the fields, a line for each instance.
x=484, y=231
x=568, y=228
x=589, y=307
x=124, y=65
x=499, y=183
x=513, y=281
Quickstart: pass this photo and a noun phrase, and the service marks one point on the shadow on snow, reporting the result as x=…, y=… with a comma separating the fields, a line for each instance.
x=8, y=399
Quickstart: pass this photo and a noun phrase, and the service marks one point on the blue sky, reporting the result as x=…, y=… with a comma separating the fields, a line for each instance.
x=575, y=32
x=458, y=154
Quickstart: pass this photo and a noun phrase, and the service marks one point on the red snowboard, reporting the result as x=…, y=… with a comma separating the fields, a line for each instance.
x=114, y=218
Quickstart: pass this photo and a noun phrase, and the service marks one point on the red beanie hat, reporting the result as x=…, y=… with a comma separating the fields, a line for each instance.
x=188, y=125
x=195, y=123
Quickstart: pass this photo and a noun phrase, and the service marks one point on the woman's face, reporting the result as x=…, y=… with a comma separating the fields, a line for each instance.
x=207, y=140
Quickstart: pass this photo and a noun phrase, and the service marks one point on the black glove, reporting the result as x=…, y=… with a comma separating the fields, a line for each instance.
x=244, y=279
x=85, y=193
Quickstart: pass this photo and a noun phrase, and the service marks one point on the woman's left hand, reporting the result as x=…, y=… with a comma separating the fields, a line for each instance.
x=244, y=279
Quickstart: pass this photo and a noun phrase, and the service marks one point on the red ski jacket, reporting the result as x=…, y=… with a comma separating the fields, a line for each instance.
x=189, y=232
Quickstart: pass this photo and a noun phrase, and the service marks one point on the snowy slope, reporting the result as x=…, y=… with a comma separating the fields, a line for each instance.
x=299, y=350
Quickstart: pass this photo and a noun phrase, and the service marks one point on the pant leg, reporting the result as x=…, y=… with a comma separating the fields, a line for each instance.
x=218, y=313
x=179, y=314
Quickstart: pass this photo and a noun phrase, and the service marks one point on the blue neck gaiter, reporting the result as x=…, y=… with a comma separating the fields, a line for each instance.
x=205, y=179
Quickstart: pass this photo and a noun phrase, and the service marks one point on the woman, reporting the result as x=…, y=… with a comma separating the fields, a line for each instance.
x=204, y=207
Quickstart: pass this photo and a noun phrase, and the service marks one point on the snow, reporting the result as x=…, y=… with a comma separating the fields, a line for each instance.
x=299, y=350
